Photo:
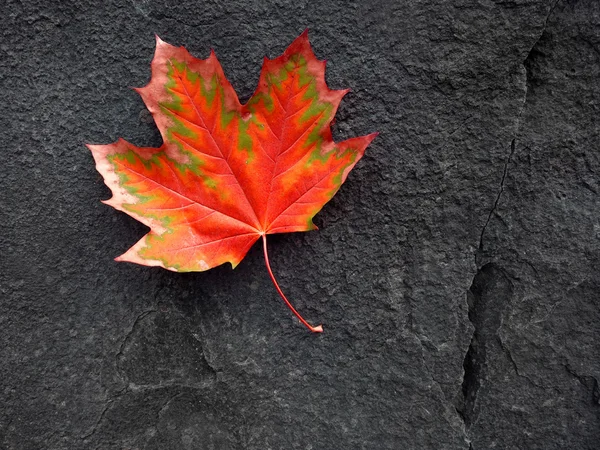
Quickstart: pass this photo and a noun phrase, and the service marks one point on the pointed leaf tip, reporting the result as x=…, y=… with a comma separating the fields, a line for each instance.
x=300, y=45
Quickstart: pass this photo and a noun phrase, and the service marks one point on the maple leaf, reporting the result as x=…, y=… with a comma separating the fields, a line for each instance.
x=228, y=174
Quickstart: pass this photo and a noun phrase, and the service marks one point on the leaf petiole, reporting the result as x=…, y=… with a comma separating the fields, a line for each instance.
x=317, y=329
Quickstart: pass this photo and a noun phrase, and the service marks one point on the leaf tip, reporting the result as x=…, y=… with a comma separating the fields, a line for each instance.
x=91, y=147
x=317, y=329
x=343, y=92
x=366, y=139
x=300, y=45
x=100, y=151
x=158, y=40
x=144, y=92
x=372, y=136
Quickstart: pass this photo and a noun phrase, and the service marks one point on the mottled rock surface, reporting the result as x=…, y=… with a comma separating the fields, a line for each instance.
x=457, y=272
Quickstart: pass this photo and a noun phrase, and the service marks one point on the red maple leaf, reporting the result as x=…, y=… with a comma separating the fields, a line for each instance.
x=228, y=174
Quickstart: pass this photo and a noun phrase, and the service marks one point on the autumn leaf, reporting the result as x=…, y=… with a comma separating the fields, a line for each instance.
x=228, y=174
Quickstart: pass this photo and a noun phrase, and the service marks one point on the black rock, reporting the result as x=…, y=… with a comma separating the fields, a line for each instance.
x=457, y=272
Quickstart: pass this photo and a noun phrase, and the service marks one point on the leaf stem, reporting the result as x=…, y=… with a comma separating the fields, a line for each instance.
x=317, y=329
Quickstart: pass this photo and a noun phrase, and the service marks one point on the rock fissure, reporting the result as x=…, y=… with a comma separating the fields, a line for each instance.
x=499, y=195
x=514, y=365
x=486, y=319
x=107, y=405
x=164, y=407
x=126, y=339
x=488, y=296
x=589, y=382
x=527, y=66
x=92, y=432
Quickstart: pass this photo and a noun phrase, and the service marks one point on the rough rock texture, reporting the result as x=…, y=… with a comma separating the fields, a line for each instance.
x=457, y=272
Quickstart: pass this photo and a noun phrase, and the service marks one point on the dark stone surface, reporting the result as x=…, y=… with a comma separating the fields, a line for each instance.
x=457, y=272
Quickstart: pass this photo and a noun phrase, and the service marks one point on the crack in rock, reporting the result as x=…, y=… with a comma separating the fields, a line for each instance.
x=514, y=365
x=488, y=296
x=133, y=329
x=162, y=409
x=449, y=416
x=138, y=388
x=92, y=432
x=167, y=385
x=132, y=387
x=499, y=195
x=105, y=409
x=527, y=82
x=589, y=382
